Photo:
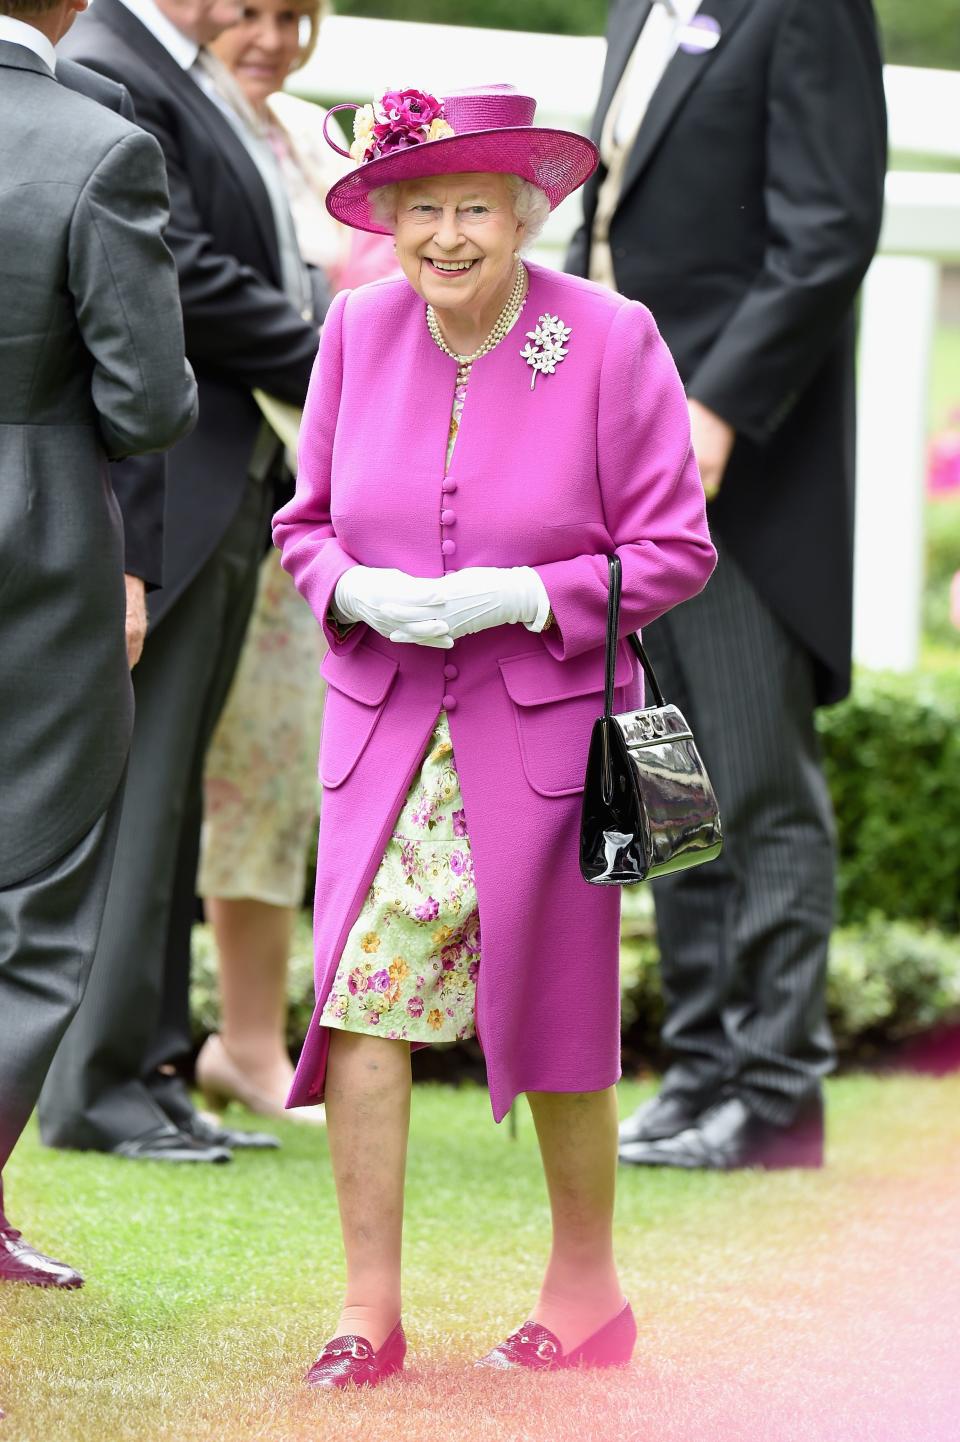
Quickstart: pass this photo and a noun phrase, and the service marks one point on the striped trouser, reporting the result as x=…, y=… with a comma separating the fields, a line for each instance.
x=744, y=939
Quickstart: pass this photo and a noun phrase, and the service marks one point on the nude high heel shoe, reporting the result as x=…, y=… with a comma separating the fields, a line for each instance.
x=222, y=1081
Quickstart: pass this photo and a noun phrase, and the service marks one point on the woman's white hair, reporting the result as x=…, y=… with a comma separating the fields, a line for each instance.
x=530, y=205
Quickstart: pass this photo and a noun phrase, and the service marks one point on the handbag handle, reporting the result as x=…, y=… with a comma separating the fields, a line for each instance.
x=613, y=629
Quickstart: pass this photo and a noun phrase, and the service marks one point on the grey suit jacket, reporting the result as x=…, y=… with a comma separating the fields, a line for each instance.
x=139, y=482
x=91, y=367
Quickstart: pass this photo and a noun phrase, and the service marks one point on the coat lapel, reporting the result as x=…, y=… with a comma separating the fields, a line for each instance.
x=680, y=77
x=624, y=30
x=124, y=23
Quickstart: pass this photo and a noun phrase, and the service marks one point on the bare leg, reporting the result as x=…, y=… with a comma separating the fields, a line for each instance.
x=253, y=945
x=577, y=1132
x=368, y=1119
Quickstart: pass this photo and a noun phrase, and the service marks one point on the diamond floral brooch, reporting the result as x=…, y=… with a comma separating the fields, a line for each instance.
x=546, y=346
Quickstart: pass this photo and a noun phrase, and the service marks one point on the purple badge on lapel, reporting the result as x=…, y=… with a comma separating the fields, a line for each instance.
x=702, y=34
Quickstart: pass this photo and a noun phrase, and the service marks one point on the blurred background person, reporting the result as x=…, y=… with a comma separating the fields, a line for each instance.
x=250, y=318
x=740, y=197
x=91, y=366
x=260, y=786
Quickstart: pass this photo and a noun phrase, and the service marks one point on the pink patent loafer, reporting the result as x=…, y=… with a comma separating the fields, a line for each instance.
x=537, y=1348
x=352, y=1359
x=19, y=1262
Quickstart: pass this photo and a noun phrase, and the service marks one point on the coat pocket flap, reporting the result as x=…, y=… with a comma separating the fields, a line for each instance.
x=362, y=674
x=536, y=678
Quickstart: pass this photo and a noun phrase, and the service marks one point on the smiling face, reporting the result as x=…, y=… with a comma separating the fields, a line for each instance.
x=263, y=47
x=456, y=236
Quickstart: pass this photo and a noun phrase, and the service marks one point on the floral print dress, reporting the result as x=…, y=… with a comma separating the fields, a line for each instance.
x=409, y=967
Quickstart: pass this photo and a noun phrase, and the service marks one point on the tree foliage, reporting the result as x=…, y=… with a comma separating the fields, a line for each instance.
x=916, y=32
x=921, y=32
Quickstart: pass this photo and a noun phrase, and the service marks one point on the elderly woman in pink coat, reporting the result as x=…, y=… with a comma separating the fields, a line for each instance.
x=479, y=436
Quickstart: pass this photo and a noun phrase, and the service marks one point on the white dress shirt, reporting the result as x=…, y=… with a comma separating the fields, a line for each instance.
x=183, y=50
x=18, y=32
x=656, y=46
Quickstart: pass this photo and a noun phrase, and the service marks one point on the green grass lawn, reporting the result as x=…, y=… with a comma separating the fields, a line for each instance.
x=820, y=1307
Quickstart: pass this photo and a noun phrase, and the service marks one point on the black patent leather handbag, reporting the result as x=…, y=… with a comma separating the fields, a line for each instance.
x=648, y=806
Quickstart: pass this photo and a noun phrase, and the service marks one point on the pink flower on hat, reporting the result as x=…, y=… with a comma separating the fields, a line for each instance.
x=399, y=120
x=411, y=108
x=397, y=136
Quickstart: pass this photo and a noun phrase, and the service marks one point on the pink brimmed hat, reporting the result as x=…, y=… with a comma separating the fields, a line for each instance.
x=409, y=134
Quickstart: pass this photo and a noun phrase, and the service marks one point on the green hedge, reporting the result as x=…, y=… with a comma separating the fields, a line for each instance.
x=892, y=754
x=916, y=32
x=889, y=981
x=557, y=17
x=942, y=562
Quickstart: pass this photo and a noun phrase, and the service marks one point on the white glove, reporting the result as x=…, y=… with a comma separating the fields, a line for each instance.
x=406, y=609
x=479, y=597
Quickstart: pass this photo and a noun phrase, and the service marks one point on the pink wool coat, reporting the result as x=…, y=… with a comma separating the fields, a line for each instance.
x=597, y=457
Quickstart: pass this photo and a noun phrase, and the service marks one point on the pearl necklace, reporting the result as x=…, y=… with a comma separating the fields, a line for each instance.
x=505, y=320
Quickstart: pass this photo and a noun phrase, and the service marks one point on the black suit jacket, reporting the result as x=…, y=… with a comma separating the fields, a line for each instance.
x=241, y=330
x=750, y=210
x=138, y=482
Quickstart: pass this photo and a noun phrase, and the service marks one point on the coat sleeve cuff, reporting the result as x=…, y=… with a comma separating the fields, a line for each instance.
x=544, y=611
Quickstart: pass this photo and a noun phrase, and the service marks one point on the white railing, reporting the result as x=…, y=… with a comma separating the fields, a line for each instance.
x=356, y=59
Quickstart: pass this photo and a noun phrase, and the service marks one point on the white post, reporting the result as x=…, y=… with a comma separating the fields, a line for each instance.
x=896, y=334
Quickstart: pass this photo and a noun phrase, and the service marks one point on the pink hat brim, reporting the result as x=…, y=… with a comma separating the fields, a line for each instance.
x=558, y=161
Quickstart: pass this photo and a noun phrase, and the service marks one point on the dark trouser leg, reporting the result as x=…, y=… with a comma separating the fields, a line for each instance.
x=694, y=930
x=744, y=939
x=95, y=1095
x=49, y=927
x=172, y=1037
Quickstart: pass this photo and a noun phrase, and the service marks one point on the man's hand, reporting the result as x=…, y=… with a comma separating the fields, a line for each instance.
x=713, y=441
x=136, y=626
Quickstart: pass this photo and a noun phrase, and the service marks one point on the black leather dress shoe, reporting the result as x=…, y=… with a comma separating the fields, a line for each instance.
x=169, y=1144
x=728, y=1136
x=19, y=1262
x=211, y=1134
x=662, y=1116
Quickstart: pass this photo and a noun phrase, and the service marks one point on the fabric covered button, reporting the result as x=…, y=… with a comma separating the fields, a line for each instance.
x=449, y=702
x=450, y=671
x=449, y=485
x=448, y=547
x=448, y=518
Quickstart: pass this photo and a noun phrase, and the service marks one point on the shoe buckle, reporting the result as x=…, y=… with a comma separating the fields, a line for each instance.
x=360, y=1352
x=546, y=1349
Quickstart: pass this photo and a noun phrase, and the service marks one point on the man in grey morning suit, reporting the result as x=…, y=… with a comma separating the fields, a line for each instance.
x=250, y=320
x=740, y=194
x=91, y=366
